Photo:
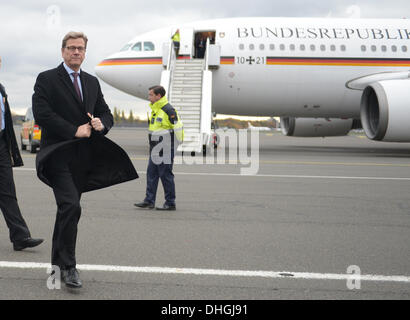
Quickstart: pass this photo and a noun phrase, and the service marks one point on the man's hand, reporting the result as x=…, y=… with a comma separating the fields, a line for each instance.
x=96, y=123
x=83, y=131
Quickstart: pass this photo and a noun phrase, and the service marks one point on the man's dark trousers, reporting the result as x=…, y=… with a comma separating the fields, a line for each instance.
x=161, y=171
x=68, y=210
x=8, y=200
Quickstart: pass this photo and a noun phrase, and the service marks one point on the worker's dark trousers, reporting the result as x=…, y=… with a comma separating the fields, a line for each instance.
x=161, y=171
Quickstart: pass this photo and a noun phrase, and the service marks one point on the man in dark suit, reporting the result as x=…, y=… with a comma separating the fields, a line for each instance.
x=75, y=155
x=10, y=157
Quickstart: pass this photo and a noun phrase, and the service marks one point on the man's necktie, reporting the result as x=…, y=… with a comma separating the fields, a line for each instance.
x=76, y=86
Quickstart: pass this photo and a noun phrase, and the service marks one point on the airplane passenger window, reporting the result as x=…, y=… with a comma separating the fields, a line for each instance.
x=332, y=47
x=363, y=48
x=322, y=47
x=251, y=47
x=241, y=46
x=384, y=48
x=137, y=47
x=282, y=47
x=149, y=46
x=126, y=47
x=404, y=48
x=343, y=47
x=272, y=47
x=312, y=47
x=302, y=47
x=292, y=47
x=393, y=48
x=262, y=47
x=373, y=48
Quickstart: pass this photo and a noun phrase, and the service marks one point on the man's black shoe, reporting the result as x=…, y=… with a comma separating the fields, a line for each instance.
x=71, y=278
x=26, y=243
x=167, y=207
x=144, y=205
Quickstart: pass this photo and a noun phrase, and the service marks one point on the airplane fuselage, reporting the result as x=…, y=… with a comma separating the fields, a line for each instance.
x=297, y=67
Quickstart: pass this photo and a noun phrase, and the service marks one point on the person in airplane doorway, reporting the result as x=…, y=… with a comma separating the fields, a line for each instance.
x=176, y=39
x=75, y=156
x=200, y=46
x=165, y=131
x=10, y=157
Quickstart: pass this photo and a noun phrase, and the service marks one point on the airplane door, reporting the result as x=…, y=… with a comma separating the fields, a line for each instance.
x=187, y=38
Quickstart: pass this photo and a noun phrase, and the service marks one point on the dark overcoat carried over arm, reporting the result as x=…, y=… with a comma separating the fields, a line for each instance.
x=11, y=141
x=98, y=162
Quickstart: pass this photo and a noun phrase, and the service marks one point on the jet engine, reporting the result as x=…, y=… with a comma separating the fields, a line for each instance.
x=316, y=127
x=385, y=111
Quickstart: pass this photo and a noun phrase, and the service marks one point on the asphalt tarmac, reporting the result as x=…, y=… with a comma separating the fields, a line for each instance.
x=317, y=211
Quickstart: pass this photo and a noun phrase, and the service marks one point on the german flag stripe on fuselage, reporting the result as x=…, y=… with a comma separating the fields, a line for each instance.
x=379, y=62
x=130, y=61
x=227, y=60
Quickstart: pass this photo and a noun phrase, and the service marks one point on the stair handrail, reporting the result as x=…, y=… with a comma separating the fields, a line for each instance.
x=206, y=67
x=171, y=55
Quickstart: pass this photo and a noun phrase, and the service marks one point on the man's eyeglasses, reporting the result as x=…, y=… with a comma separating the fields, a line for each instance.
x=73, y=49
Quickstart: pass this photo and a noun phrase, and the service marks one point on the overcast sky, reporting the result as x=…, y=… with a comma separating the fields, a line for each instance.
x=31, y=31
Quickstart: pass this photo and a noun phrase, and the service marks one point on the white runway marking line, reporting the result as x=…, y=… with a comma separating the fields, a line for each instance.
x=214, y=272
x=265, y=175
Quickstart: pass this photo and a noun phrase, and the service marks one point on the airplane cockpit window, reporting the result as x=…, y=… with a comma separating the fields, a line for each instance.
x=149, y=46
x=126, y=47
x=137, y=47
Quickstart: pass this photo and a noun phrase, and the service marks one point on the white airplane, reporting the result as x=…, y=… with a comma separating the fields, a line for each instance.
x=251, y=127
x=320, y=75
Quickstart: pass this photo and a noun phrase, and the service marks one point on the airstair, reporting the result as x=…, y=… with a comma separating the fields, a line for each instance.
x=189, y=83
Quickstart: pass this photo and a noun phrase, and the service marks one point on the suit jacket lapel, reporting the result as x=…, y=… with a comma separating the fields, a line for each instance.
x=65, y=78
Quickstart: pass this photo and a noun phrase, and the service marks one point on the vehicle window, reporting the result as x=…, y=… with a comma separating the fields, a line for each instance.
x=136, y=47
x=241, y=46
x=149, y=46
x=29, y=114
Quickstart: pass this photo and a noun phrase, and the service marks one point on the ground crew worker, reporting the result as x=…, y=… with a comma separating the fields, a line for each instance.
x=165, y=131
x=176, y=39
